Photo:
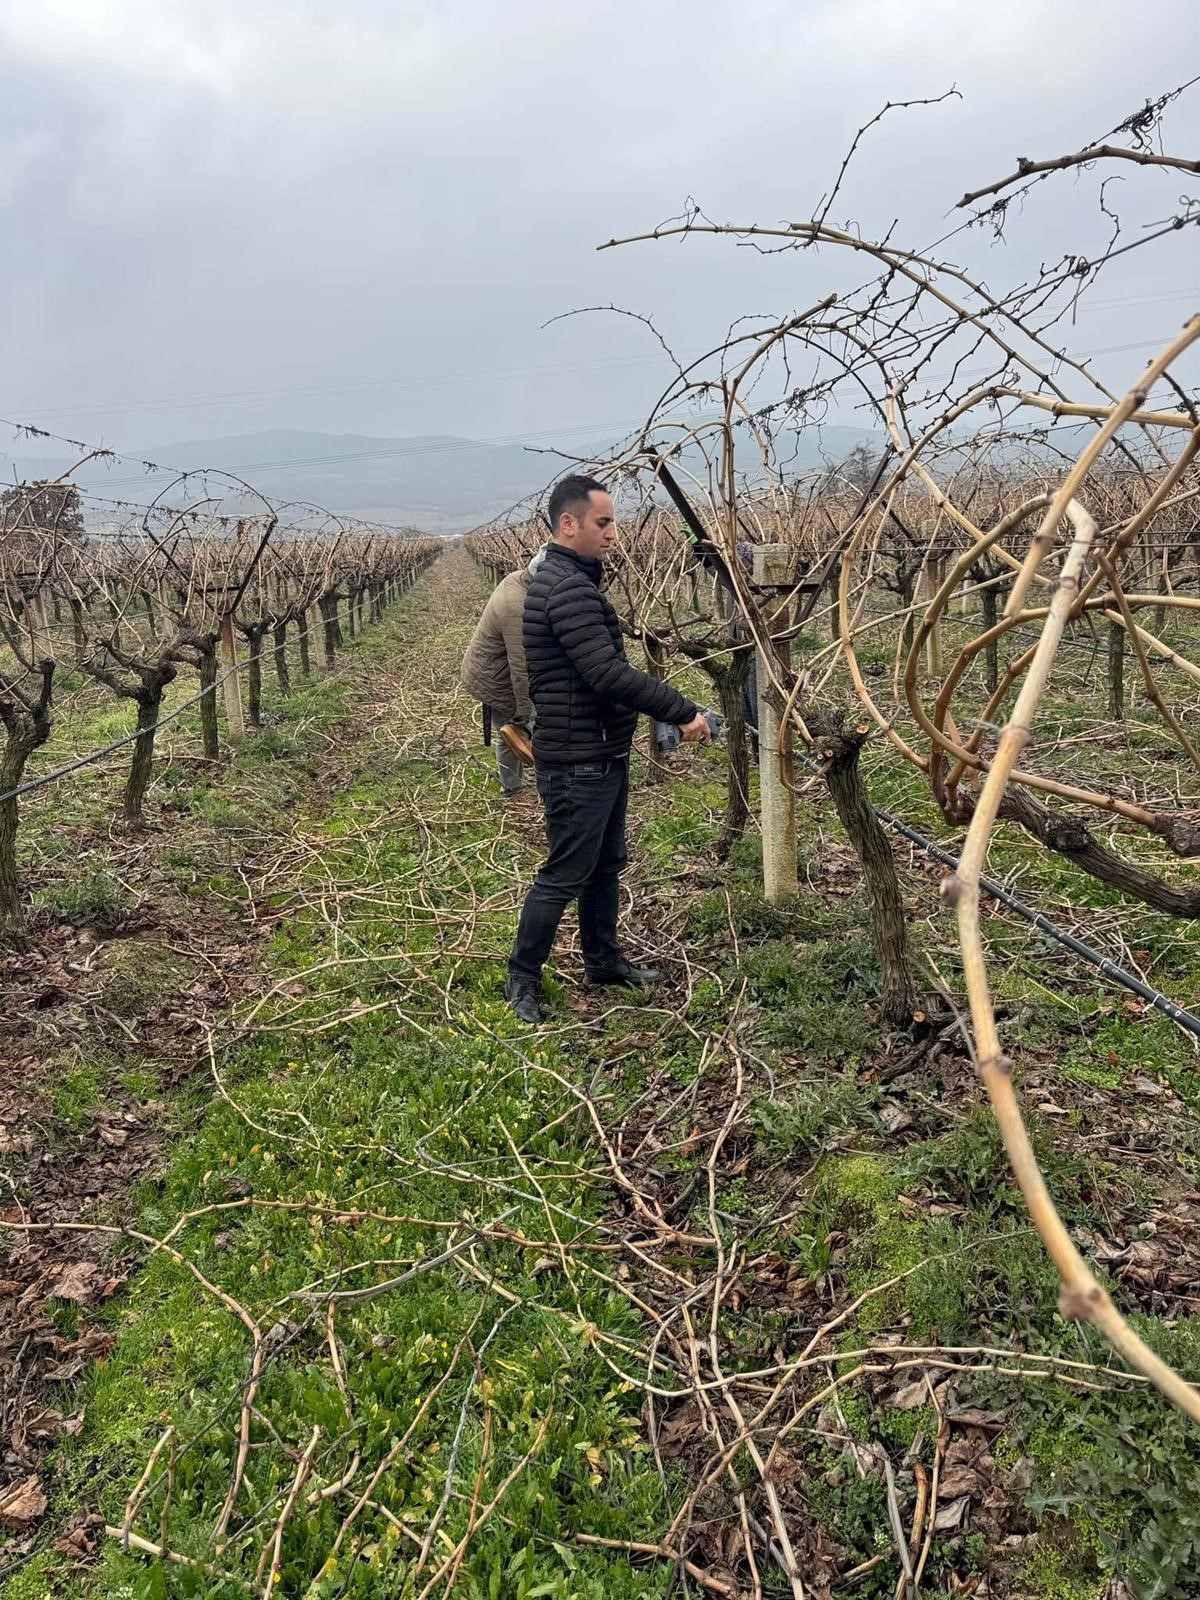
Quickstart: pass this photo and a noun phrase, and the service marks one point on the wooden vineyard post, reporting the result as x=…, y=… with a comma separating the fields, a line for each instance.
x=232, y=681
x=1116, y=672
x=933, y=640
x=777, y=798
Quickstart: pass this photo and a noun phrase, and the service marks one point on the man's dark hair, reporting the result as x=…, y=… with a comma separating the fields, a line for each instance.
x=571, y=495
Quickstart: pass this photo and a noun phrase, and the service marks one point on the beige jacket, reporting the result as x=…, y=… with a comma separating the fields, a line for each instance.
x=493, y=669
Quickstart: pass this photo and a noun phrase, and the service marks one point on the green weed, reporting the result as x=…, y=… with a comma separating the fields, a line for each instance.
x=815, y=996
x=92, y=898
x=363, y=1097
x=809, y=1114
x=227, y=813
x=75, y=1083
x=138, y=972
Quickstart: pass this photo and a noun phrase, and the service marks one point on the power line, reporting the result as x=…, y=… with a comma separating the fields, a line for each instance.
x=448, y=380
x=316, y=390
x=447, y=447
x=450, y=446
x=104, y=452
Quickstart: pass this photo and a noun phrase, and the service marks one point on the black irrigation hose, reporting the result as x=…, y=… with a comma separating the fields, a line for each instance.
x=997, y=891
x=1085, y=952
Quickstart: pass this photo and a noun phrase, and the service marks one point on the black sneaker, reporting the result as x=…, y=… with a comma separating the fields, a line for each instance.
x=524, y=1000
x=624, y=975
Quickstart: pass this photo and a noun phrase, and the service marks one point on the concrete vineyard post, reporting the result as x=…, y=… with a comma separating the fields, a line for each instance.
x=41, y=641
x=777, y=799
x=232, y=682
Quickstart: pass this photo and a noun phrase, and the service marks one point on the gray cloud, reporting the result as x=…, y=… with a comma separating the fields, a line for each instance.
x=358, y=218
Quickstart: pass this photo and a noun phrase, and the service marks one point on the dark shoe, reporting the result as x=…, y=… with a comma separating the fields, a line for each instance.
x=624, y=976
x=524, y=1000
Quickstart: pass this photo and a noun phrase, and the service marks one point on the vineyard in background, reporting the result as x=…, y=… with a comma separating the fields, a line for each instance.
x=729, y=1293
x=125, y=610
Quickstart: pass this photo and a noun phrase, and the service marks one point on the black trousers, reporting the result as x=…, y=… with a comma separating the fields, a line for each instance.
x=585, y=805
x=750, y=705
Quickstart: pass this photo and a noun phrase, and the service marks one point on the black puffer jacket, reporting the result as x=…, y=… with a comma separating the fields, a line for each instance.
x=587, y=695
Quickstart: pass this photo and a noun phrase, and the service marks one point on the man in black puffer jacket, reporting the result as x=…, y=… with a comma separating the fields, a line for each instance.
x=587, y=697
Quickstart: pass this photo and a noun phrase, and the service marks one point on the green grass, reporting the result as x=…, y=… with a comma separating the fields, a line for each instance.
x=980, y=1273
x=1104, y=1500
x=141, y=1082
x=78, y=1080
x=411, y=1115
x=75, y=1086
x=376, y=1099
x=362, y=1096
x=92, y=898
x=136, y=973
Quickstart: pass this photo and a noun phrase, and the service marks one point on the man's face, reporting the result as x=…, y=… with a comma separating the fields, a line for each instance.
x=593, y=532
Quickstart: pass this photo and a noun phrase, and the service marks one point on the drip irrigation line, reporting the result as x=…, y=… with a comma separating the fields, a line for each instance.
x=46, y=778
x=93, y=756
x=1042, y=923
x=1038, y=919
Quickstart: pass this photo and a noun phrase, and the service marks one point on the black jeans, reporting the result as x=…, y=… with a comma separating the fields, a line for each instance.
x=750, y=705
x=585, y=806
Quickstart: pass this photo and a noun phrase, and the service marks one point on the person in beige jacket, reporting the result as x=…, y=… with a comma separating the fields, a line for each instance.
x=493, y=669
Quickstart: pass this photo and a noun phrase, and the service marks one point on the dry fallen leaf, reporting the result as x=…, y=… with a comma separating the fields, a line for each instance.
x=64, y=1371
x=911, y=1396
x=990, y=1421
x=48, y=1424
x=677, y=1433
x=81, y=1539
x=894, y=1117
x=75, y=1280
x=958, y=1479
x=950, y=1517
x=23, y=1502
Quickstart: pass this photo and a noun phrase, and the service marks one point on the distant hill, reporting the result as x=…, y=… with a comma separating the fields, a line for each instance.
x=438, y=481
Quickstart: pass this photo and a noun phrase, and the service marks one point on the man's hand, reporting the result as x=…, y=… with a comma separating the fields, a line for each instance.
x=696, y=731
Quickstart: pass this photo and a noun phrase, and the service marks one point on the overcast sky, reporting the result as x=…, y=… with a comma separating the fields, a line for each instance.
x=234, y=215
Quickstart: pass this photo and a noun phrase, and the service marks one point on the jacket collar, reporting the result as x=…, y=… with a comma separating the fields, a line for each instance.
x=594, y=569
